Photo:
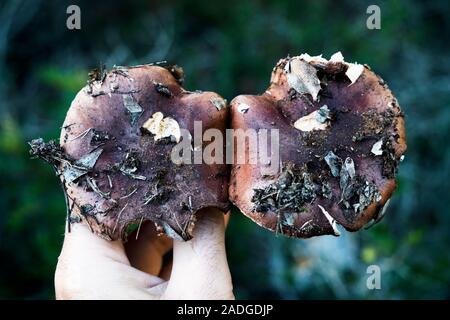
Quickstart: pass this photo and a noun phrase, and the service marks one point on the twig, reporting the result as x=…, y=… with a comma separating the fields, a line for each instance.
x=81, y=135
x=109, y=181
x=69, y=217
x=139, y=227
x=178, y=224
x=130, y=194
x=118, y=218
x=305, y=224
x=66, y=197
x=91, y=182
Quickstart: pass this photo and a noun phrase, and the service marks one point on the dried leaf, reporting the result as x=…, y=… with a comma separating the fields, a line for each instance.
x=326, y=190
x=331, y=220
x=377, y=148
x=81, y=166
x=308, y=191
x=334, y=162
x=306, y=57
x=310, y=122
x=367, y=195
x=337, y=57
x=347, y=175
x=162, y=127
x=71, y=174
x=133, y=107
x=170, y=232
x=130, y=165
x=88, y=161
x=219, y=103
x=323, y=114
x=288, y=219
x=303, y=77
x=243, y=108
x=354, y=71
x=349, y=166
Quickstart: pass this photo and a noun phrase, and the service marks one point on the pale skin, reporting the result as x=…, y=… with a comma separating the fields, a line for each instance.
x=93, y=268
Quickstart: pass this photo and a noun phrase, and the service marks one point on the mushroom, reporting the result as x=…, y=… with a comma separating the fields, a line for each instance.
x=341, y=134
x=115, y=154
x=331, y=116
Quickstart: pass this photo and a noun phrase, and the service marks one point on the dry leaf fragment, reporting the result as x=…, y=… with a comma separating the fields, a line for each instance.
x=331, y=220
x=337, y=57
x=162, y=127
x=323, y=114
x=377, y=148
x=310, y=122
x=354, y=71
x=349, y=167
x=303, y=77
x=88, y=161
x=243, y=108
x=308, y=58
x=219, y=103
x=82, y=166
x=169, y=231
x=334, y=162
x=133, y=107
x=347, y=175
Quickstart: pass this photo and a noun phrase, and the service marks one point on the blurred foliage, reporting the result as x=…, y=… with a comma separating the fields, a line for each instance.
x=230, y=47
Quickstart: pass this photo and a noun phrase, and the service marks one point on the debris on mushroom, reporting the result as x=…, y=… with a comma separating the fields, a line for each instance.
x=219, y=103
x=354, y=71
x=330, y=220
x=72, y=172
x=377, y=148
x=334, y=162
x=133, y=107
x=306, y=57
x=337, y=57
x=243, y=108
x=302, y=77
x=162, y=127
x=316, y=120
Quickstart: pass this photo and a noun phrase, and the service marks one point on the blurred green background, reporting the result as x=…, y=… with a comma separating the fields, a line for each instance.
x=230, y=47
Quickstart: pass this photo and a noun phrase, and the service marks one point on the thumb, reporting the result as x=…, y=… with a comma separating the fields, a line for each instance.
x=200, y=268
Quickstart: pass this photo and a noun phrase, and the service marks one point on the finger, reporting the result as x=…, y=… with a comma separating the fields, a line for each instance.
x=166, y=268
x=145, y=249
x=200, y=268
x=151, y=253
x=93, y=268
x=80, y=241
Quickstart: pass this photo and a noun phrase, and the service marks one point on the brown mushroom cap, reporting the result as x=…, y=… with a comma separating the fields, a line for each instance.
x=357, y=116
x=133, y=178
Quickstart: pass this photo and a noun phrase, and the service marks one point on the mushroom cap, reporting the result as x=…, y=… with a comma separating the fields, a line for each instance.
x=358, y=111
x=133, y=178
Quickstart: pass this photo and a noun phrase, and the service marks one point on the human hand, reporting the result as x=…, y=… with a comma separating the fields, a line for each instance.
x=93, y=268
